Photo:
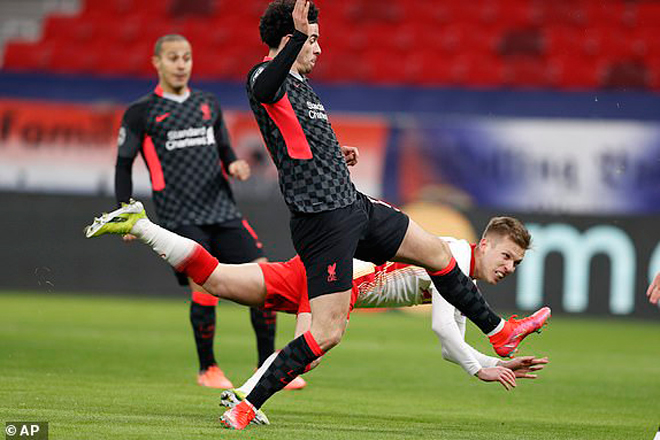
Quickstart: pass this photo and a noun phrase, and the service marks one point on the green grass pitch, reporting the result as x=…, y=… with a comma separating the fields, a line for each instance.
x=124, y=368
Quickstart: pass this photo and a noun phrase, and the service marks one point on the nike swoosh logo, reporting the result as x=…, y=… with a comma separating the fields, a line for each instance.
x=162, y=117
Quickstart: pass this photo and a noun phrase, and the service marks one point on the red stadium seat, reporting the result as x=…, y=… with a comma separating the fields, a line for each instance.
x=615, y=43
x=565, y=41
x=74, y=59
x=456, y=39
x=647, y=14
x=517, y=14
x=481, y=71
x=626, y=75
x=59, y=28
x=610, y=14
x=429, y=69
x=118, y=9
x=26, y=56
x=528, y=72
x=649, y=38
x=561, y=12
x=654, y=73
x=576, y=72
x=442, y=42
x=521, y=42
x=117, y=60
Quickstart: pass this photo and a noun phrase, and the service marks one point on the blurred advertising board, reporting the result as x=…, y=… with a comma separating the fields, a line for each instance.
x=582, y=265
x=577, y=166
x=53, y=147
x=71, y=148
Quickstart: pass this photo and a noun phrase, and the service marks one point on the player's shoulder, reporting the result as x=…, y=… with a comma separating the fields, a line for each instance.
x=139, y=107
x=146, y=99
x=204, y=94
x=256, y=70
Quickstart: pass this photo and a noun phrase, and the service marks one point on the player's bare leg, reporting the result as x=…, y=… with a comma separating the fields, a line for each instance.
x=241, y=283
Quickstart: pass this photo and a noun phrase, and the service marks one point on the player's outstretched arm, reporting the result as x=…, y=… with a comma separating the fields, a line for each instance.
x=653, y=292
x=266, y=82
x=451, y=334
x=525, y=367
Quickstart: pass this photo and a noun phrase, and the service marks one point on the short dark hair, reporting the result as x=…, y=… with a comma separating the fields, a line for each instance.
x=277, y=21
x=509, y=227
x=158, y=47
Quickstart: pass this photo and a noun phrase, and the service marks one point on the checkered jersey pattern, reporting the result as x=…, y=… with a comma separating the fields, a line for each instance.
x=185, y=137
x=321, y=183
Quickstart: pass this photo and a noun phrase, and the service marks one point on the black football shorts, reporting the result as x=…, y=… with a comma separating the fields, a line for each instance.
x=327, y=242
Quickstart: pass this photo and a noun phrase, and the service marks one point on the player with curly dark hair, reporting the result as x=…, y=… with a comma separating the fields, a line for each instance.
x=277, y=22
x=332, y=222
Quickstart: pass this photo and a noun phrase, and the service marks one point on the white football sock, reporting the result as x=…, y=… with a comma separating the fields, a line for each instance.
x=172, y=247
x=497, y=329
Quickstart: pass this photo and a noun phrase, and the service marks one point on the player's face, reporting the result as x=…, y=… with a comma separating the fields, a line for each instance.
x=499, y=257
x=174, y=65
x=309, y=53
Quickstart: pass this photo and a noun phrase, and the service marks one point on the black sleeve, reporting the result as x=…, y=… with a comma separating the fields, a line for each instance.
x=226, y=152
x=129, y=144
x=123, y=179
x=266, y=82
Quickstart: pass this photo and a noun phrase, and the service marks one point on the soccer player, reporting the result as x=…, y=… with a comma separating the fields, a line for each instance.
x=283, y=287
x=653, y=292
x=331, y=222
x=182, y=137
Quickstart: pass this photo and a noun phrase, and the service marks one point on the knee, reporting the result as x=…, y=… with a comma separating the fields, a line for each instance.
x=440, y=256
x=329, y=338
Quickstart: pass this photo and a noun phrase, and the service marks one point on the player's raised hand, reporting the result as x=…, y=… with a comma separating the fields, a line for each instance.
x=299, y=14
x=653, y=292
x=524, y=366
x=351, y=154
x=498, y=374
x=239, y=169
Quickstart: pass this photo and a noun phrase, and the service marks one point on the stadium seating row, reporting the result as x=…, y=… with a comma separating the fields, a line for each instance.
x=564, y=43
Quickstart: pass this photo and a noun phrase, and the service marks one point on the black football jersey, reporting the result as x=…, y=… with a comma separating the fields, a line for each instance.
x=184, y=145
x=313, y=175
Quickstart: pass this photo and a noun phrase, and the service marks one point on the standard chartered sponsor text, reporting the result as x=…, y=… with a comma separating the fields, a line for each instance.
x=316, y=111
x=190, y=137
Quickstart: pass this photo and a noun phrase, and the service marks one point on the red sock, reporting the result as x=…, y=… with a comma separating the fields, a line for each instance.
x=204, y=299
x=199, y=265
